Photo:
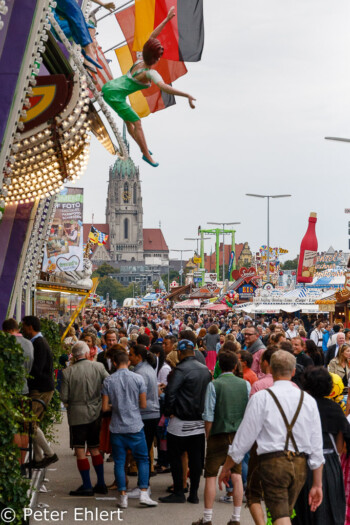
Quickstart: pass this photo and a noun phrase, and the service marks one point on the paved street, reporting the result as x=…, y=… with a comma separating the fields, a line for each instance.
x=64, y=476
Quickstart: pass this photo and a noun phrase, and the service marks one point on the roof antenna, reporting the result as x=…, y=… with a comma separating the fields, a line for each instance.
x=160, y=225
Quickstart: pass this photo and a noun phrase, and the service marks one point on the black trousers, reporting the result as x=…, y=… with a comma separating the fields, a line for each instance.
x=194, y=446
x=150, y=428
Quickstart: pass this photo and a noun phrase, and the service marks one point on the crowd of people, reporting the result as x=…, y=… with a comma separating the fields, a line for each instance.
x=265, y=399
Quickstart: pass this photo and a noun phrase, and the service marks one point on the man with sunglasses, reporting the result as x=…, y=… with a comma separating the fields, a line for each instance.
x=255, y=347
x=184, y=404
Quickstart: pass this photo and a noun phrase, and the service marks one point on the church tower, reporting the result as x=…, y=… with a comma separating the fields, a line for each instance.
x=124, y=212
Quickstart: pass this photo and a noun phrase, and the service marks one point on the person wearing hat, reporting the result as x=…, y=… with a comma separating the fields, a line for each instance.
x=184, y=404
x=347, y=335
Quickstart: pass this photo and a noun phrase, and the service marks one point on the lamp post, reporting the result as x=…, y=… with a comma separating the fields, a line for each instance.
x=201, y=264
x=223, y=224
x=181, y=271
x=268, y=197
x=196, y=239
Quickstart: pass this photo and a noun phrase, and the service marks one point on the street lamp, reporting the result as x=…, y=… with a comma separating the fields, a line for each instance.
x=196, y=239
x=268, y=197
x=223, y=244
x=181, y=271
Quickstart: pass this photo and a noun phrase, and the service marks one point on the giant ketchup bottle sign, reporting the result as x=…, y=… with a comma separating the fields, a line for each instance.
x=308, y=253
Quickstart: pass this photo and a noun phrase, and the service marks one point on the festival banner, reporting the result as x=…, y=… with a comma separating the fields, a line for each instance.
x=182, y=37
x=230, y=265
x=64, y=248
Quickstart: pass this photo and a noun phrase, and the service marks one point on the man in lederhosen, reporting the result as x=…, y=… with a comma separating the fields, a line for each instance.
x=285, y=423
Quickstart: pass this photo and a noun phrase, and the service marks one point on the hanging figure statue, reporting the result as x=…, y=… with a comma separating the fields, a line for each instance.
x=70, y=17
x=139, y=77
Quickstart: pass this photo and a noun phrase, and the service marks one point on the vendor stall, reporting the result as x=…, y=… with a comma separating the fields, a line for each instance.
x=189, y=303
x=216, y=307
x=298, y=300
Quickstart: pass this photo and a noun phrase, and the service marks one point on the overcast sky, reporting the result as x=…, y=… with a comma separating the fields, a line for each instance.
x=273, y=81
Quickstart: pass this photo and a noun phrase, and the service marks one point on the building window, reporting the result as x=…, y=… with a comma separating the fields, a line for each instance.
x=126, y=228
x=135, y=193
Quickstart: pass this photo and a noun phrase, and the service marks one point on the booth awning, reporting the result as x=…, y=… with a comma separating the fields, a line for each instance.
x=189, y=303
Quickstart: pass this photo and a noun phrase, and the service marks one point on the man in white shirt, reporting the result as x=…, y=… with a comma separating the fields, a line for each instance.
x=317, y=334
x=291, y=332
x=285, y=423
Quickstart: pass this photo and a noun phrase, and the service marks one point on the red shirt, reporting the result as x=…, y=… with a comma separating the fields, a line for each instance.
x=249, y=375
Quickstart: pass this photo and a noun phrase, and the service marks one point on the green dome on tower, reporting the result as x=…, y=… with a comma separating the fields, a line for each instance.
x=125, y=168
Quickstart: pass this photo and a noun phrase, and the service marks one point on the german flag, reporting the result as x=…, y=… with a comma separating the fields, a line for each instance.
x=152, y=99
x=182, y=37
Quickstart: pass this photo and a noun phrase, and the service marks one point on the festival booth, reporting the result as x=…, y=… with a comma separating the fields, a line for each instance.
x=338, y=304
x=151, y=299
x=298, y=300
x=188, y=304
x=216, y=308
x=60, y=301
x=133, y=302
x=329, y=279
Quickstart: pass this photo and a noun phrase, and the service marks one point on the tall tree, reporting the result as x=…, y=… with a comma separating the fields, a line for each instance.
x=104, y=270
x=290, y=264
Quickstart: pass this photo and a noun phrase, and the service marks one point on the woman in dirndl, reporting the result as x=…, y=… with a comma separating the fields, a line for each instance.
x=335, y=431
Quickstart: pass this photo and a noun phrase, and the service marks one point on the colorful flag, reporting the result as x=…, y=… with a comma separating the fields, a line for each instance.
x=93, y=235
x=152, y=99
x=97, y=237
x=103, y=75
x=102, y=238
x=182, y=37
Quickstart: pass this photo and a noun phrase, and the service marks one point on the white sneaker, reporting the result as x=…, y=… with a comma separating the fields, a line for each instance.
x=136, y=492
x=146, y=500
x=122, y=501
x=226, y=499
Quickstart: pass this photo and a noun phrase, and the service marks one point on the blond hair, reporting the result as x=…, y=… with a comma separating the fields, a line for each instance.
x=282, y=363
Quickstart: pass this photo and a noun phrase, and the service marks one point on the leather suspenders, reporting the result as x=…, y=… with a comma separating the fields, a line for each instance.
x=290, y=425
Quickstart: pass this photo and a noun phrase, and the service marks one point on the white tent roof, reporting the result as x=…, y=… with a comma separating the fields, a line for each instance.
x=189, y=303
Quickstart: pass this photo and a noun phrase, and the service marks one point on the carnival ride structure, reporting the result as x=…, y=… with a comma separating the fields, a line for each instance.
x=48, y=110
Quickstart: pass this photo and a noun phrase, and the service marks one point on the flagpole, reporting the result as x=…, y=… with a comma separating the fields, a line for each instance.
x=116, y=10
x=115, y=47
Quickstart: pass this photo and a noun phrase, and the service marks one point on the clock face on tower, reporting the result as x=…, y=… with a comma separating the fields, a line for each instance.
x=126, y=196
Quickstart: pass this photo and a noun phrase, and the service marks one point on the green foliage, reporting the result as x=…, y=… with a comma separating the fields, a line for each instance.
x=290, y=264
x=115, y=289
x=13, y=487
x=52, y=414
x=51, y=332
x=104, y=270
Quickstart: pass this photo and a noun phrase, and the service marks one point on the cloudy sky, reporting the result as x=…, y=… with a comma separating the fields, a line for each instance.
x=273, y=81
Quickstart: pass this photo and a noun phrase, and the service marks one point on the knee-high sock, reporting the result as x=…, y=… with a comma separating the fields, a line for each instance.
x=84, y=469
x=97, y=462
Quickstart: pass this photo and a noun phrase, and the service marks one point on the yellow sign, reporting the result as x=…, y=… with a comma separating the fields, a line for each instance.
x=197, y=260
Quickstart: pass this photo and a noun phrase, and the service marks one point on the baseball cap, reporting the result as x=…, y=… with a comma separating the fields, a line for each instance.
x=185, y=344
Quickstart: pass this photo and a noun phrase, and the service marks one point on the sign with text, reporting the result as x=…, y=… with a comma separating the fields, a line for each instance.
x=246, y=291
x=64, y=248
x=247, y=274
